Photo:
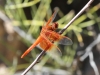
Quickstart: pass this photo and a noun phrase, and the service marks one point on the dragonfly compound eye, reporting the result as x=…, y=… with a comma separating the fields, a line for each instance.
x=55, y=25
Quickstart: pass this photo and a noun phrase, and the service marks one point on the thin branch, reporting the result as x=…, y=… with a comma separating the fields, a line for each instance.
x=34, y=62
x=80, y=12
x=89, y=48
x=92, y=63
x=60, y=32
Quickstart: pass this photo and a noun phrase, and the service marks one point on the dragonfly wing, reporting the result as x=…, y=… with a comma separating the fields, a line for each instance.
x=46, y=43
x=61, y=39
x=58, y=49
x=51, y=18
x=54, y=49
x=65, y=41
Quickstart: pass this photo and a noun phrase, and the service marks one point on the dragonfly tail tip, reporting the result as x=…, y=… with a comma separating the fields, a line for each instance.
x=21, y=56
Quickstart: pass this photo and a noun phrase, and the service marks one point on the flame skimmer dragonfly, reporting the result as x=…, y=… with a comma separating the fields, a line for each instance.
x=48, y=36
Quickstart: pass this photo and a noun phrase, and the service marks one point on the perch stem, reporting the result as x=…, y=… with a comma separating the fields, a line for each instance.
x=34, y=62
x=76, y=16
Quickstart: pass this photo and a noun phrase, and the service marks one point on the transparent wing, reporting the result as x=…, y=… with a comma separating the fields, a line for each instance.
x=65, y=41
x=48, y=46
x=55, y=50
x=52, y=17
x=54, y=36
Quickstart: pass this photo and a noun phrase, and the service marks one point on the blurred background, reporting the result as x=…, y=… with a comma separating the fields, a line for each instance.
x=21, y=22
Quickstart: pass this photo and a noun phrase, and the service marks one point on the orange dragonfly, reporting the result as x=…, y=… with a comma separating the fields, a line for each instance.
x=48, y=36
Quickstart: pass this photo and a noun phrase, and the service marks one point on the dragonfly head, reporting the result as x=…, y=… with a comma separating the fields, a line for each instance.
x=54, y=25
